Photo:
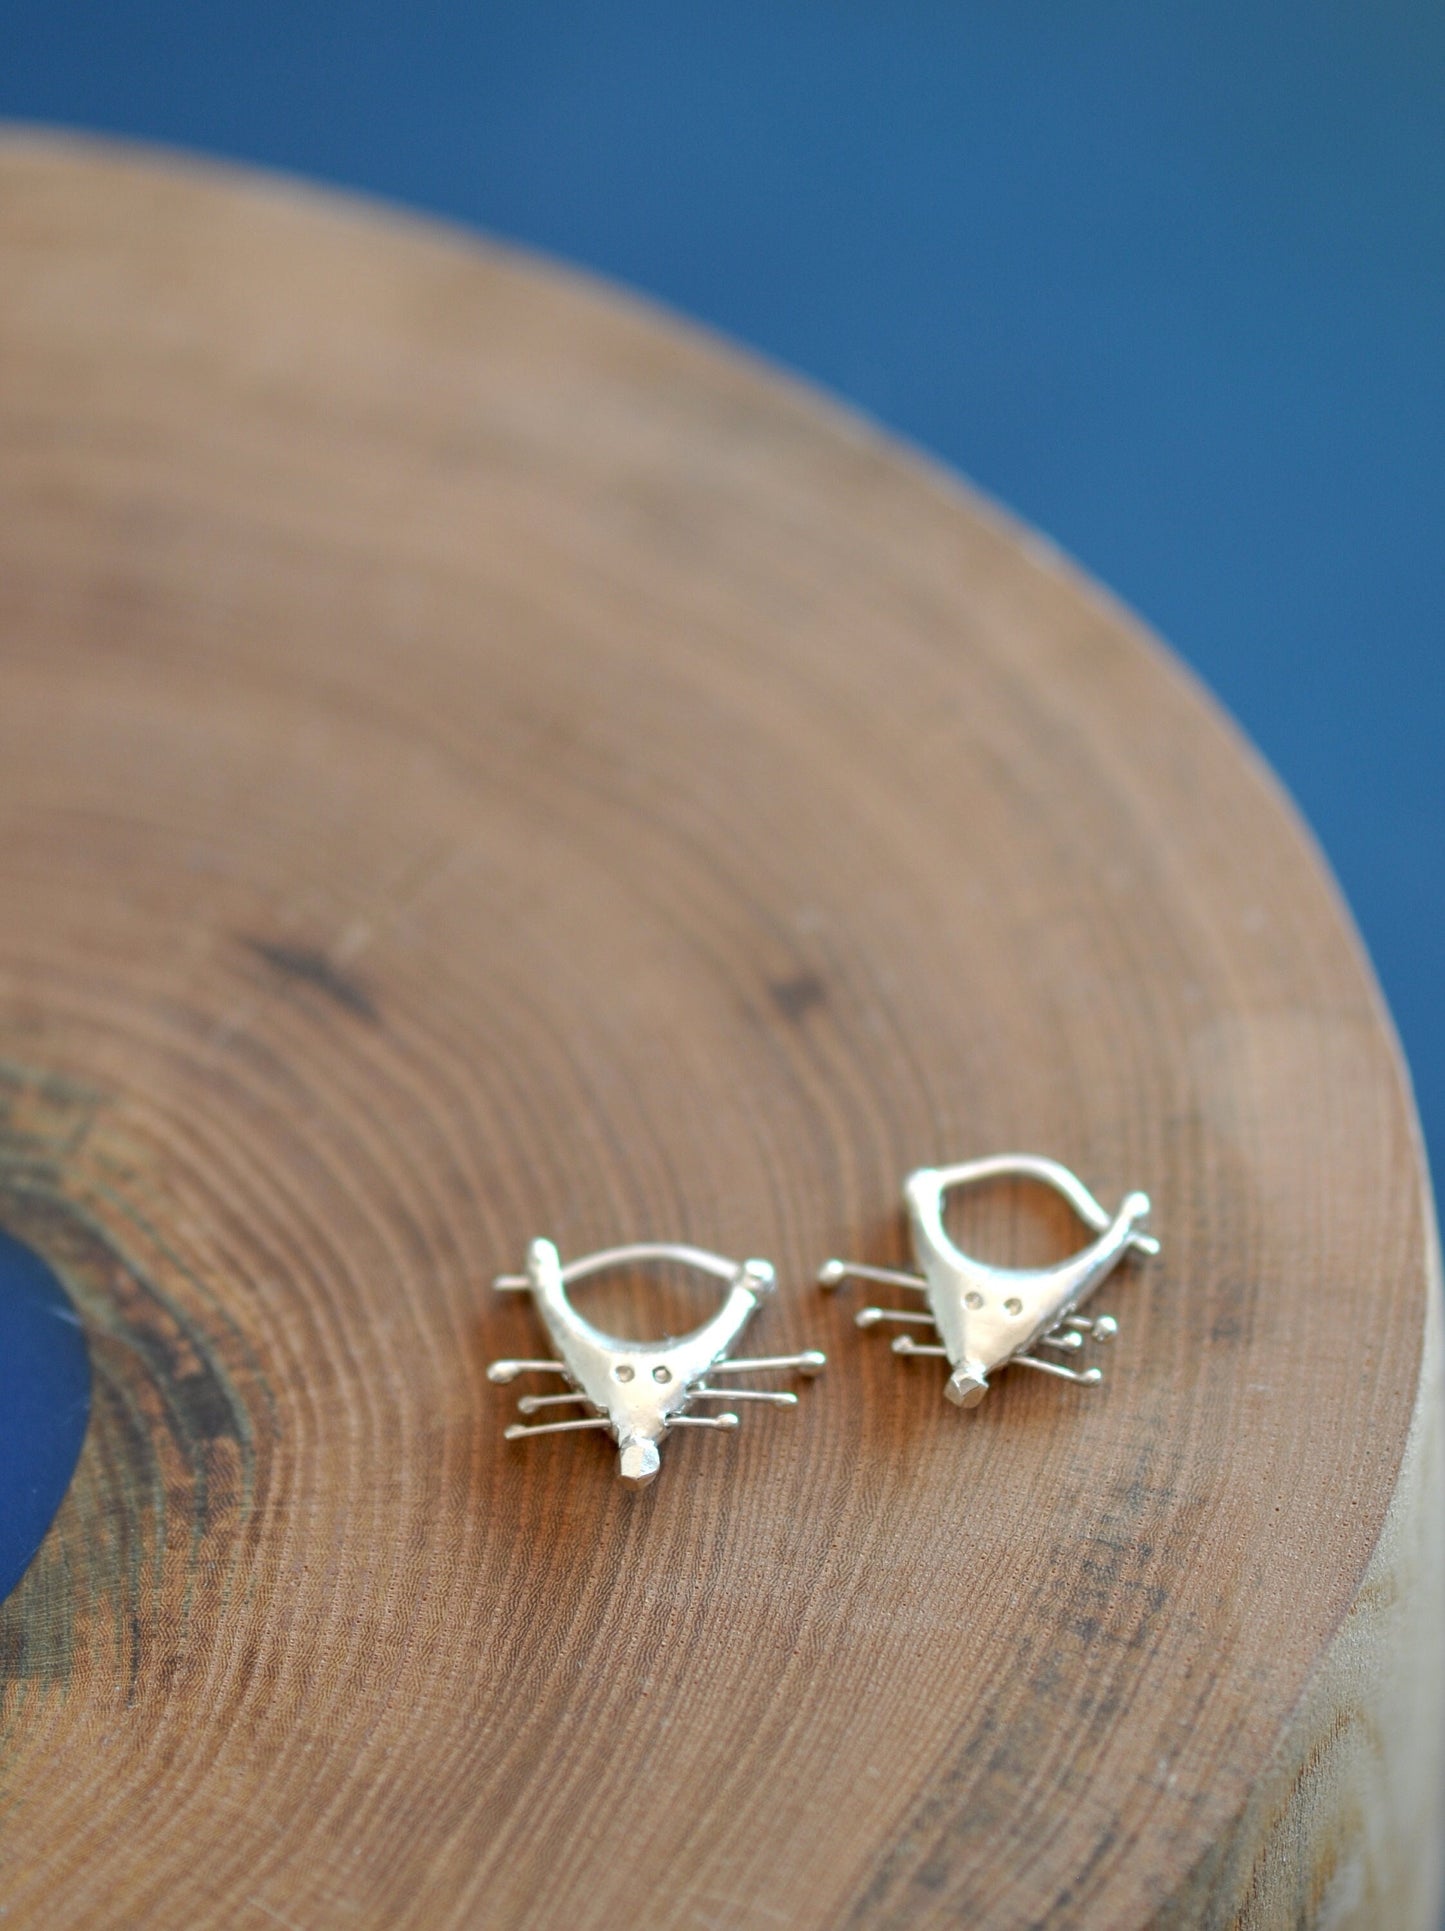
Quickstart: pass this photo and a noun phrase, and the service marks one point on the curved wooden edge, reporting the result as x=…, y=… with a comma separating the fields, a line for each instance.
x=1346, y=1828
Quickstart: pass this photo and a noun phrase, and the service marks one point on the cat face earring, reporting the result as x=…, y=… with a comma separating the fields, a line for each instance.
x=640, y=1391
x=985, y=1317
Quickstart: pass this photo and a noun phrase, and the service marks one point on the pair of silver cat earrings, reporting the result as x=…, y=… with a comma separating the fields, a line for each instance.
x=984, y=1318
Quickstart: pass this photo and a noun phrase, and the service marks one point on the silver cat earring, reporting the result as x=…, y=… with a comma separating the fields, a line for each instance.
x=989, y=1317
x=639, y=1391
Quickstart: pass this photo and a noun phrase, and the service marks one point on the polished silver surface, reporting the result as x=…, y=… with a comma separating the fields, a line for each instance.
x=984, y=1317
x=638, y=1391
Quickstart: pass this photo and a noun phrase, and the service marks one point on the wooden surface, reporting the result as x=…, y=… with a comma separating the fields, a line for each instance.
x=478, y=760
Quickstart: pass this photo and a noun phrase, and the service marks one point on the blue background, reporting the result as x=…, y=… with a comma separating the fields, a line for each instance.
x=44, y=1403
x=1170, y=281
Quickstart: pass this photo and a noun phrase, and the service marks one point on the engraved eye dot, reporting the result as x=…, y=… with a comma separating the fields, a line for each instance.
x=623, y=1371
x=973, y=1298
x=1013, y=1305
x=662, y=1374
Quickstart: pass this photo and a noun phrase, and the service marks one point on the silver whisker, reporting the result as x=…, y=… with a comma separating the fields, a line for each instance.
x=518, y=1433
x=834, y=1273
x=1070, y=1338
x=778, y=1398
x=810, y=1362
x=1081, y=1377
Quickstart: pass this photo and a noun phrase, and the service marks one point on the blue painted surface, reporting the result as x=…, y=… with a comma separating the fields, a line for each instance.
x=1170, y=281
x=44, y=1403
